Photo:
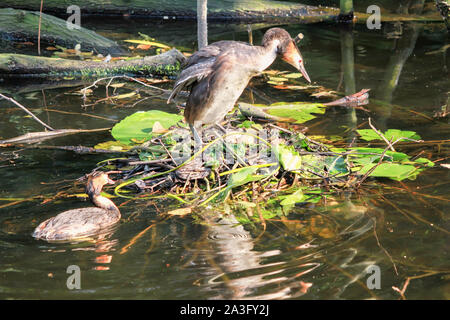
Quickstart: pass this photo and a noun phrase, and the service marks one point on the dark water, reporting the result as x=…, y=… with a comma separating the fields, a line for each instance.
x=321, y=252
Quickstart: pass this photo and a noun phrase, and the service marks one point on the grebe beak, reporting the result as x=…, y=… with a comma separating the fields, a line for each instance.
x=295, y=59
x=302, y=69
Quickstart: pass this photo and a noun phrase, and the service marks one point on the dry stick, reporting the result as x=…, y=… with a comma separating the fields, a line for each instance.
x=421, y=194
x=408, y=213
x=402, y=292
x=418, y=217
x=77, y=149
x=373, y=168
x=139, y=235
x=39, y=27
x=94, y=84
x=379, y=244
x=381, y=135
x=168, y=153
x=81, y=114
x=390, y=145
x=405, y=285
x=417, y=197
x=397, y=208
x=27, y=111
x=350, y=276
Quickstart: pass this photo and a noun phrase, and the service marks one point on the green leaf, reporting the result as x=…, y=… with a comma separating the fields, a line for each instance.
x=288, y=157
x=240, y=178
x=368, y=134
x=296, y=112
x=243, y=176
x=393, y=171
x=139, y=126
x=390, y=135
x=113, y=145
x=389, y=155
x=425, y=162
x=246, y=124
x=309, y=164
x=294, y=198
x=395, y=134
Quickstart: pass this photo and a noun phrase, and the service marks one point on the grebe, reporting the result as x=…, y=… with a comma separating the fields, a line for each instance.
x=79, y=223
x=218, y=74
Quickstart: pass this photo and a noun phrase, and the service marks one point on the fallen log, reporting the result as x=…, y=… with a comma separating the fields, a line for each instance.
x=21, y=25
x=25, y=66
x=224, y=10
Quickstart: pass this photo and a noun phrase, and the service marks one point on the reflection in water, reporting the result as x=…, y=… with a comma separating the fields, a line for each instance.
x=238, y=271
x=403, y=50
x=318, y=253
x=348, y=68
x=101, y=243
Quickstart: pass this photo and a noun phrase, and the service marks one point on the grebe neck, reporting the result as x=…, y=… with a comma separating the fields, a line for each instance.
x=267, y=55
x=103, y=202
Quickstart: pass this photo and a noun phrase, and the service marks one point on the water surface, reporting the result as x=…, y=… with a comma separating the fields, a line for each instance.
x=320, y=252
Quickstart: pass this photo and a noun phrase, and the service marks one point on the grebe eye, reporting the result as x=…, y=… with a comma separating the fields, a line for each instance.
x=300, y=61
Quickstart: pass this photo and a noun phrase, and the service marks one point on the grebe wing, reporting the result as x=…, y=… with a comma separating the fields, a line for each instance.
x=76, y=223
x=203, y=91
x=202, y=63
x=192, y=74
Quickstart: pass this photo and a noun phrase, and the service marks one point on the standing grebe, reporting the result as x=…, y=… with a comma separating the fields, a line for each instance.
x=218, y=74
x=83, y=222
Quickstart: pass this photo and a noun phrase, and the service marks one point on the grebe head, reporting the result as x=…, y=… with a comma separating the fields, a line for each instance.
x=96, y=181
x=286, y=48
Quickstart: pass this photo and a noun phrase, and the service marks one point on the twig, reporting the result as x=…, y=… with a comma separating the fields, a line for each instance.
x=39, y=27
x=390, y=145
x=135, y=238
x=402, y=292
x=381, y=135
x=94, y=84
x=81, y=114
x=27, y=111
x=140, y=234
x=408, y=279
x=379, y=244
x=168, y=153
x=373, y=168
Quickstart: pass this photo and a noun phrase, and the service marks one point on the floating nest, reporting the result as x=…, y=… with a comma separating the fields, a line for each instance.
x=253, y=163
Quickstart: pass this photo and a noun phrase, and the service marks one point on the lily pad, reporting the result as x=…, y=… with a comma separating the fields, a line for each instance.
x=390, y=135
x=295, y=112
x=298, y=112
x=393, y=171
x=139, y=126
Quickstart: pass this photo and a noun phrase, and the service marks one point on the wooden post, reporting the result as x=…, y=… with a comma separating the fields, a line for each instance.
x=346, y=7
x=346, y=11
x=202, y=23
x=348, y=68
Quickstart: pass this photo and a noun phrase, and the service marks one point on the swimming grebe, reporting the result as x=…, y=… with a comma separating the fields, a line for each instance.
x=218, y=74
x=79, y=223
